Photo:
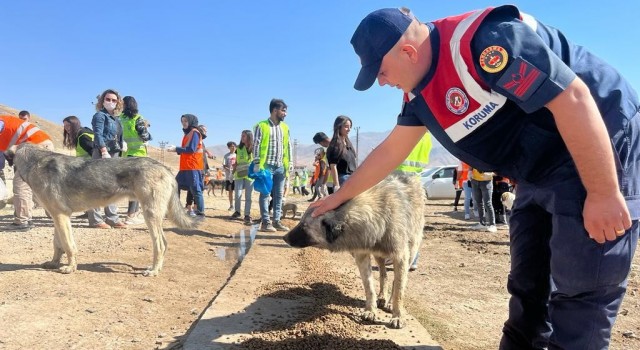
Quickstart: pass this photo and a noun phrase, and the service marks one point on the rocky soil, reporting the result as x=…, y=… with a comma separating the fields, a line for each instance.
x=458, y=292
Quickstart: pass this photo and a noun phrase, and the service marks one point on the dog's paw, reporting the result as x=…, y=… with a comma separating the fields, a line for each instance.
x=368, y=316
x=383, y=304
x=396, y=323
x=67, y=269
x=51, y=265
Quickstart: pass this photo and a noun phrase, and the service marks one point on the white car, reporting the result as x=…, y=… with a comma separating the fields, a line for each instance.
x=438, y=182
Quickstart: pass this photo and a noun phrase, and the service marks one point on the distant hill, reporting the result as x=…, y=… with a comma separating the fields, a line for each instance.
x=366, y=142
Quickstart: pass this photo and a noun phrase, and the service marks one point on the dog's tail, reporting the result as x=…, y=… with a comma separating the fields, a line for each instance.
x=178, y=215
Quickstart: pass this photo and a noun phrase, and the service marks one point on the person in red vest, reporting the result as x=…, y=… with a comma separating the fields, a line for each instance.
x=507, y=93
x=14, y=131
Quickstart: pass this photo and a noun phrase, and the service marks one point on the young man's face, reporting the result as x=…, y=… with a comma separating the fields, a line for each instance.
x=280, y=113
x=232, y=148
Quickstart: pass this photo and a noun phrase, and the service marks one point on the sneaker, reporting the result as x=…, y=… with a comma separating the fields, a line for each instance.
x=230, y=208
x=192, y=213
x=17, y=227
x=478, y=227
x=119, y=224
x=413, y=267
x=134, y=220
x=278, y=226
x=267, y=227
x=100, y=225
x=247, y=220
x=235, y=215
x=492, y=228
x=467, y=216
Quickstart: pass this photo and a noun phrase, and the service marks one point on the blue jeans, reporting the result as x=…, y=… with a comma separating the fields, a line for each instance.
x=467, y=198
x=342, y=178
x=278, y=189
x=198, y=198
x=245, y=184
x=565, y=287
x=482, y=191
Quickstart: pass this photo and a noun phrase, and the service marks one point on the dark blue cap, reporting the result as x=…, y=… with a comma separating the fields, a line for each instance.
x=374, y=37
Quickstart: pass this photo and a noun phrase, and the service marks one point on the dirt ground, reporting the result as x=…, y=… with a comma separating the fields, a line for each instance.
x=458, y=292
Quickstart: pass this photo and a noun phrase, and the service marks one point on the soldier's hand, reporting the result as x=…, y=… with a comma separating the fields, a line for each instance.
x=606, y=217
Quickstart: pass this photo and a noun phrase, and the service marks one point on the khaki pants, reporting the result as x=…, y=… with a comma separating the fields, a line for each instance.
x=22, y=194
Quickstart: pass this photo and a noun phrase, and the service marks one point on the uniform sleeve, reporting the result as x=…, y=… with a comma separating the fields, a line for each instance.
x=407, y=117
x=522, y=63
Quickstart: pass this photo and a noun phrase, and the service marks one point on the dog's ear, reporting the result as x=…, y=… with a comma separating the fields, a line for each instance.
x=333, y=227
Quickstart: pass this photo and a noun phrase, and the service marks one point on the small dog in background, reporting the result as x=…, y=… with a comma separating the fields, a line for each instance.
x=507, y=199
x=290, y=207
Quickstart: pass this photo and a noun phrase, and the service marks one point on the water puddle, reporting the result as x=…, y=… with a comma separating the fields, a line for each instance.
x=238, y=249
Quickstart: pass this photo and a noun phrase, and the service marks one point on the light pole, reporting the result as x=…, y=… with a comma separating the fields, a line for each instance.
x=163, y=145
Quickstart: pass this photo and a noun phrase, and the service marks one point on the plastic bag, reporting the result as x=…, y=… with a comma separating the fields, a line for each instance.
x=263, y=180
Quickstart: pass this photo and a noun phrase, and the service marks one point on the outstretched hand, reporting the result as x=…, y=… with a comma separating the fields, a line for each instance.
x=605, y=217
x=325, y=204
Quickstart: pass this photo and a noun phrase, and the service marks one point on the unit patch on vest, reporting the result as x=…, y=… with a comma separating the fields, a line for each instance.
x=493, y=59
x=521, y=79
x=457, y=101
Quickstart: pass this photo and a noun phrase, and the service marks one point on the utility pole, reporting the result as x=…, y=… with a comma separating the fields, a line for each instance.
x=357, y=145
x=163, y=145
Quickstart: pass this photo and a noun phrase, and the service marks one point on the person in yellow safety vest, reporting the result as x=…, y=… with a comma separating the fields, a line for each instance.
x=323, y=140
x=136, y=136
x=418, y=159
x=14, y=131
x=79, y=139
x=414, y=165
x=272, y=151
x=244, y=159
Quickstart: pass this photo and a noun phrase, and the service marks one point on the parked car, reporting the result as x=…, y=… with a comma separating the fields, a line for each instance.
x=438, y=182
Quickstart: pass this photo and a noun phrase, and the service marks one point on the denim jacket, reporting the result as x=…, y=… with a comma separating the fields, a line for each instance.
x=105, y=127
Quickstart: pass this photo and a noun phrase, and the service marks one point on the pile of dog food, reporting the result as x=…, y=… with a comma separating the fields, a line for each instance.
x=330, y=320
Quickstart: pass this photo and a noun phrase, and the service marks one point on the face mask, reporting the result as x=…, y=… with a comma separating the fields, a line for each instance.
x=109, y=106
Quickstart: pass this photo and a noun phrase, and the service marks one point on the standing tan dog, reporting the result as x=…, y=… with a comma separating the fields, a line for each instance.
x=65, y=184
x=386, y=221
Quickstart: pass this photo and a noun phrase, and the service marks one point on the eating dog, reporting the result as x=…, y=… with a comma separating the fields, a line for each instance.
x=385, y=221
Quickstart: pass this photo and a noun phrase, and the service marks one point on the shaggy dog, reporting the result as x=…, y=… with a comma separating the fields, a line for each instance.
x=65, y=184
x=507, y=199
x=385, y=221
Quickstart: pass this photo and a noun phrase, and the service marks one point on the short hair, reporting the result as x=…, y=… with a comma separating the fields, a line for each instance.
x=231, y=143
x=319, y=137
x=24, y=114
x=276, y=103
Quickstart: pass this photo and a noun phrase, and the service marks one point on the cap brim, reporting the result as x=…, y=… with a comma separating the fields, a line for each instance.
x=367, y=76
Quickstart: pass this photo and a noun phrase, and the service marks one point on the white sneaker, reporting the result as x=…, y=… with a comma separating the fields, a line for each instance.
x=492, y=229
x=136, y=220
x=192, y=213
x=467, y=216
x=230, y=208
x=478, y=227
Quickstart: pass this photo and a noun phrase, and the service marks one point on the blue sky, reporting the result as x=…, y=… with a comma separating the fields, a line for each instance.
x=224, y=60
